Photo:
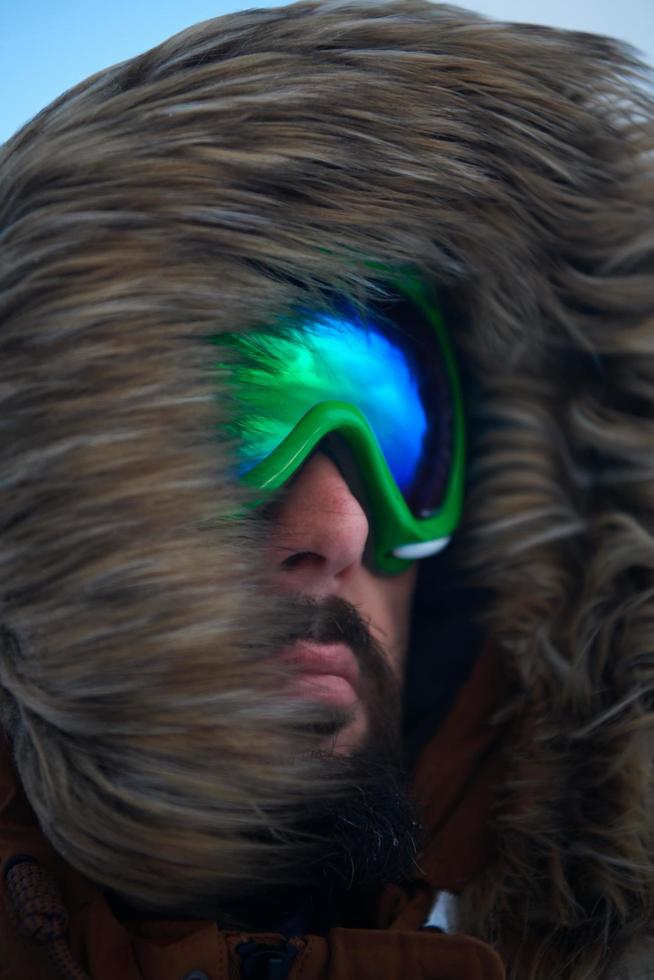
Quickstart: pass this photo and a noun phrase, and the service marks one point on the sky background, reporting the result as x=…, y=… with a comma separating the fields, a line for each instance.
x=46, y=46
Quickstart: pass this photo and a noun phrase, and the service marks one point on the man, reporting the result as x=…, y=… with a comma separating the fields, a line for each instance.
x=249, y=730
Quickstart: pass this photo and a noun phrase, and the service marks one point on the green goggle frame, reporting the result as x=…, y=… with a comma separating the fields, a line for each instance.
x=399, y=536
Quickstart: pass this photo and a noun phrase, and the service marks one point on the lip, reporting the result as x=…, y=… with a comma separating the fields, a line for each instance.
x=325, y=671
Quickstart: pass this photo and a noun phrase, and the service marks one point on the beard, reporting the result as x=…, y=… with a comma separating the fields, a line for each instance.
x=367, y=839
x=359, y=840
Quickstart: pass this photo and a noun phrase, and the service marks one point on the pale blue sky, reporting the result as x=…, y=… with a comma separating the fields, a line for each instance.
x=48, y=45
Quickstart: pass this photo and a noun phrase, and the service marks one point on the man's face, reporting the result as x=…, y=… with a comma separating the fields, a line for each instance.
x=353, y=629
x=316, y=548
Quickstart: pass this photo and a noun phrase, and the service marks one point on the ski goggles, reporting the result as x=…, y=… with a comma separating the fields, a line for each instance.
x=386, y=383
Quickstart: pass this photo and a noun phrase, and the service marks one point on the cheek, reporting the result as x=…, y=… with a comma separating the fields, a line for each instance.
x=391, y=616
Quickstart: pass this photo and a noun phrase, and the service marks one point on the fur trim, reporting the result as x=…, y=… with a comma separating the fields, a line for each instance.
x=220, y=176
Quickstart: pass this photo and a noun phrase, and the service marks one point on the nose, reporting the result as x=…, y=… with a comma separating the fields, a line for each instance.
x=319, y=531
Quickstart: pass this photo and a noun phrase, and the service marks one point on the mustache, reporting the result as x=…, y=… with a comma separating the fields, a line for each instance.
x=335, y=620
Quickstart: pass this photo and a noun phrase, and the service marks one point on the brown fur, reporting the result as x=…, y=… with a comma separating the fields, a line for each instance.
x=198, y=187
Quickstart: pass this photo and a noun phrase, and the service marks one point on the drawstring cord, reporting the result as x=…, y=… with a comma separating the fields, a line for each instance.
x=41, y=916
x=40, y=912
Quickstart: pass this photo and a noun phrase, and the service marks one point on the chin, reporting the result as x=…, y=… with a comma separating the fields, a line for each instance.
x=351, y=737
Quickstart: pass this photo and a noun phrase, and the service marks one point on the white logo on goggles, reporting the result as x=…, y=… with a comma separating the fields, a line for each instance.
x=420, y=550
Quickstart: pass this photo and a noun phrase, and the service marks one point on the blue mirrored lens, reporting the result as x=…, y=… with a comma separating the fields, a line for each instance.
x=327, y=358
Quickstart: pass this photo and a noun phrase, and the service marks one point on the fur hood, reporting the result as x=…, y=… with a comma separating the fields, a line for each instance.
x=191, y=190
